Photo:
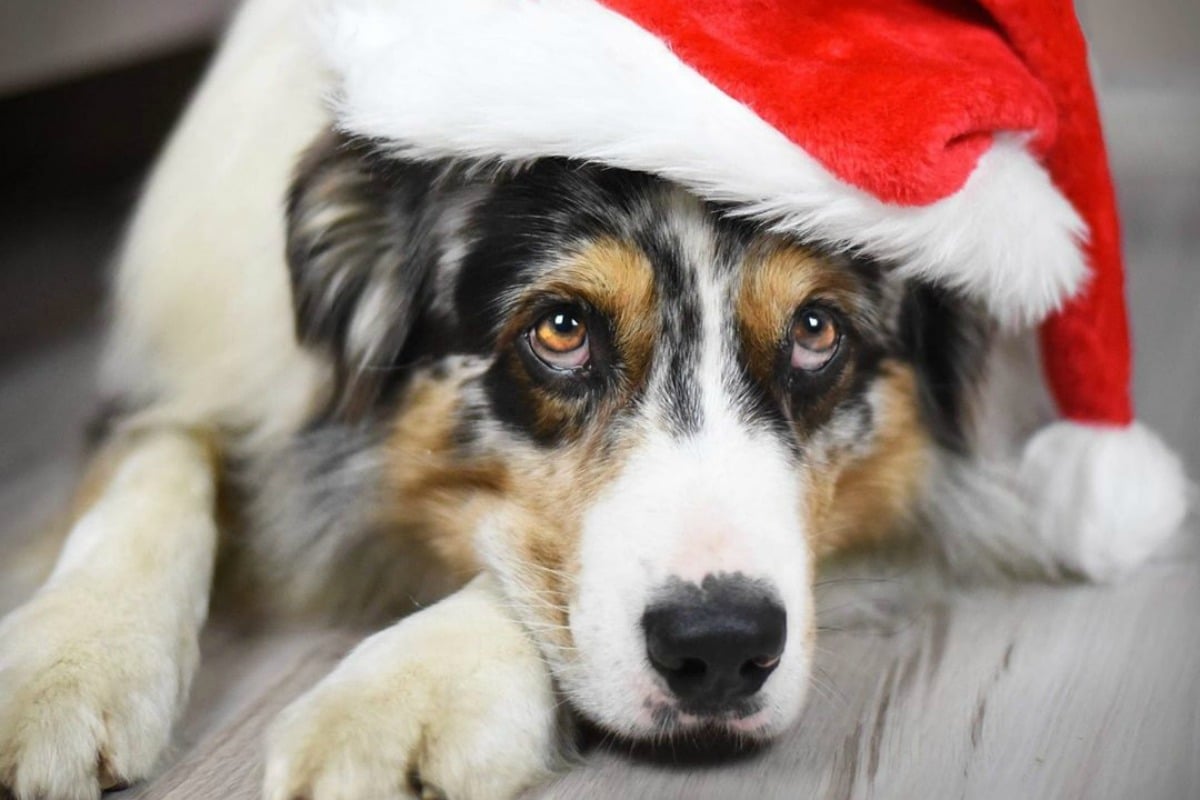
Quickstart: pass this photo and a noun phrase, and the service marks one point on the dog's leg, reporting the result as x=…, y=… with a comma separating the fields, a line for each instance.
x=95, y=667
x=454, y=701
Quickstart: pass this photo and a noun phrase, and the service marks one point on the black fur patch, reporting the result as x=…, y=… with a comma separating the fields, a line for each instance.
x=364, y=238
x=947, y=340
x=398, y=264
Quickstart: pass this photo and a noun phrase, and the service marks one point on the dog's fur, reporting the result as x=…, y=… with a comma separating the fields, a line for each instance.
x=344, y=385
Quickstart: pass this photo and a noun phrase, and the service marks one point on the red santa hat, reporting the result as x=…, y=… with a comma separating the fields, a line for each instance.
x=958, y=140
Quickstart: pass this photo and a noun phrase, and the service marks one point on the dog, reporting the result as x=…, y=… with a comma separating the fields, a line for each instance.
x=598, y=430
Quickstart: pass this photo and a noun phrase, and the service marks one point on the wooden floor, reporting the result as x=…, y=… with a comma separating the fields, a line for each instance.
x=923, y=690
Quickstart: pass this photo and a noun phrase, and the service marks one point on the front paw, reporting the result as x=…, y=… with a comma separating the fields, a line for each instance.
x=87, y=698
x=444, y=705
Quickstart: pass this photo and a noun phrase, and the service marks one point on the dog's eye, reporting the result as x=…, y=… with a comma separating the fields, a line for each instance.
x=815, y=338
x=560, y=339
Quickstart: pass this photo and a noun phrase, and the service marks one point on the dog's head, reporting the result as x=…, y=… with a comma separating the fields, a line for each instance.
x=646, y=416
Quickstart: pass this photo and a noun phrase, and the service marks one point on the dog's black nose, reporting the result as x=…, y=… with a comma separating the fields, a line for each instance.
x=717, y=642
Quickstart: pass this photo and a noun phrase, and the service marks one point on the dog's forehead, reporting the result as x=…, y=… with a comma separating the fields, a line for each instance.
x=696, y=305
x=552, y=226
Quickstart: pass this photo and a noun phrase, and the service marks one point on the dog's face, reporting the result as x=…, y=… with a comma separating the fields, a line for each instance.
x=646, y=417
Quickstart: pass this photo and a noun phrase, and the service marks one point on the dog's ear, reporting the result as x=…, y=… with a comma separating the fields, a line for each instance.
x=947, y=339
x=361, y=262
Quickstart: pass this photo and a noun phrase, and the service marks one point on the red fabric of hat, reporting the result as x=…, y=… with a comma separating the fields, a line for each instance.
x=957, y=141
x=901, y=98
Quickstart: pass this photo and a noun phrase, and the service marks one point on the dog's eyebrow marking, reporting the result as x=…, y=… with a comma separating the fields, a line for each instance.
x=776, y=279
x=616, y=278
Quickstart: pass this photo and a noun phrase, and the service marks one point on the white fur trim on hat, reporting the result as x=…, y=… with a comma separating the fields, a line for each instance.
x=516, y=80
x=1104, y=498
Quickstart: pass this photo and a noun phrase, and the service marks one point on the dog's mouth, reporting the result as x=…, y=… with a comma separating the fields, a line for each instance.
x=742, y=721
x=680, y=738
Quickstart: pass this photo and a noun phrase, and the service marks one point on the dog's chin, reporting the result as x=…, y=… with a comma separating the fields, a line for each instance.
x=679, y=737
x=635, y=707
x=666, y=723
x=732, y=727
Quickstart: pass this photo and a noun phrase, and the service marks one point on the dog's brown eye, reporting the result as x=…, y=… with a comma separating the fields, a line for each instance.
x=560, y=339
x=815, y=338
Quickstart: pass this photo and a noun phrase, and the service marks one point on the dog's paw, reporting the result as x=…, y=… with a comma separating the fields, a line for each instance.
x=451, y=703
x=85, y=704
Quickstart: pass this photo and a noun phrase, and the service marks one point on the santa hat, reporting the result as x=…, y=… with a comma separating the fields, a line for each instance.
x=957, y=140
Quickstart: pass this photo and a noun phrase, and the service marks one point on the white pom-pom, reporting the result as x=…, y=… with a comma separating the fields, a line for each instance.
x=1103, y=498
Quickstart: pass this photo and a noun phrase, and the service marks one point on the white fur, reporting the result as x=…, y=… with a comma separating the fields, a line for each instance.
x=1105, y=498
x=722, y=502
x=98, y=664
x=202, y=318
x=518, y=80
x=726, y=500
x=456, y=693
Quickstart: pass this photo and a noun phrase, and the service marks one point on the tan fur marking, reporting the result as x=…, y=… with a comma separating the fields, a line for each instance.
x=438, y=498
x=871, y=499
x=552, y=495
x=616, y=279
x=442, y=497
x=776, y=280
x=442, y=501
